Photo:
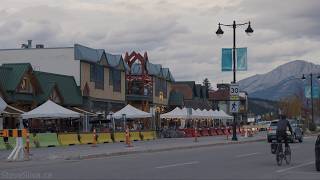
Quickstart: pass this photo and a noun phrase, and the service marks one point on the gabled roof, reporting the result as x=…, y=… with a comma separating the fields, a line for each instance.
x=154, y=69
x=11, y=74
x=66, y=85
x=96, y=55
x=88, y=54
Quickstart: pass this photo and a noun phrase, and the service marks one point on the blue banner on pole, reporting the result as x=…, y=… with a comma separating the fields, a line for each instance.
x=242, y=59
x=226, y=64
x=226, y=59
x=307, y=91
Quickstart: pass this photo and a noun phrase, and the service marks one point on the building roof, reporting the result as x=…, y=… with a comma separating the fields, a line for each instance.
x=219, y=95
x=10, y=78
x=153, y=70
x=66, y=85
x=11, y=74
x=97, y=55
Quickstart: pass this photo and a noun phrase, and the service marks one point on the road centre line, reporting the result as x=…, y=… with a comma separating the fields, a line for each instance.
x=246, y=155
x=294, y=167
x=178, y=164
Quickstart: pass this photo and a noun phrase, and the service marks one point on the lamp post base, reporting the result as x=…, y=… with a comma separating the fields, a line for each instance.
x=234, y=138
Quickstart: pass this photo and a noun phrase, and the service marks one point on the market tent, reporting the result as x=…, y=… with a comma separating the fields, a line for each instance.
x=175, y=113
x=3, y=105
x=50, y=110
x=131, y=112
x=222, y=115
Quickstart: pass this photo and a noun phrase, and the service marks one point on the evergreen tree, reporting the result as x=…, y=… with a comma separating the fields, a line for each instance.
x=206, y=83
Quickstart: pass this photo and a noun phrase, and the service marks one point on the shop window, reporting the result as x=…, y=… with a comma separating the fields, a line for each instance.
x=97, y=75
x=115, y=79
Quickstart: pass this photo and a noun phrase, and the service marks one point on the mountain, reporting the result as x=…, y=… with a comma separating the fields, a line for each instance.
x=283, y=81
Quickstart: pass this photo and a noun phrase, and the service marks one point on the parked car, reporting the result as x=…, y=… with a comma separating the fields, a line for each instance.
x=297, y=130
x=317, y=153
x=272, y=132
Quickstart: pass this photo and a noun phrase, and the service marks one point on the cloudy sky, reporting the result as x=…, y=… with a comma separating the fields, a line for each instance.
x=180, y=34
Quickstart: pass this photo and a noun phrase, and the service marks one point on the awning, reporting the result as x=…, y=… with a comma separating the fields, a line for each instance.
x=50, y=110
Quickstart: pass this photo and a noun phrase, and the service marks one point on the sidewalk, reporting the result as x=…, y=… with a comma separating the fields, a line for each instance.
x=114, y=149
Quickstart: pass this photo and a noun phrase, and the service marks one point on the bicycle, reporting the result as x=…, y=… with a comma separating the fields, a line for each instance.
x=280, y=155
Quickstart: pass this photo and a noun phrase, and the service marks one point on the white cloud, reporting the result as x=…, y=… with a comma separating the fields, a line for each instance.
x=179, y=34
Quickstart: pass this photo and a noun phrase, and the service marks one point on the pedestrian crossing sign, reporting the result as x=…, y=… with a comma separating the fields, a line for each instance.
x=234, y=106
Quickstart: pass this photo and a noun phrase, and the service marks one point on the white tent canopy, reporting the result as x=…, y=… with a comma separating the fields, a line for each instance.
x=131, y=112
x=176, y=113
x=222, y=115
x=196, y=114
x=3, y=105
x=50, y=110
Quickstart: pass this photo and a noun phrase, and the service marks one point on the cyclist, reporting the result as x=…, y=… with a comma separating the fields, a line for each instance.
x=281, y=133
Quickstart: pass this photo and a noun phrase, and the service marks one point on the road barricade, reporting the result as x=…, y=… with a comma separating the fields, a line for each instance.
x=135, y=136
x=47, y=139
x=148, y=135
x=68, y=139
x=219, y=131
x=86, y=138
x=2, y=144
x=188, y=132
x=11, y=142
x=204, y=132
x=119, y=137
x=104, y=138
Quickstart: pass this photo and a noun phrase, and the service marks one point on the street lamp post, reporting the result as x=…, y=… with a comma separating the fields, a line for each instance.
x=311, y=84
x=220, y=32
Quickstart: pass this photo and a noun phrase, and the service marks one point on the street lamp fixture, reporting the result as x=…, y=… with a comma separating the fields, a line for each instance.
x=249, y=30
x=219, y=33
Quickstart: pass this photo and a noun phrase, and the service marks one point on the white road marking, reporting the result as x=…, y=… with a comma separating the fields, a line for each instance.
x=178, y=164
x=294, y=167
x=246, y=155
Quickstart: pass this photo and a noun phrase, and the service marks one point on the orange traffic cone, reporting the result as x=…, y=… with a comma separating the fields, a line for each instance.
x=128, y=141
x=94, y=144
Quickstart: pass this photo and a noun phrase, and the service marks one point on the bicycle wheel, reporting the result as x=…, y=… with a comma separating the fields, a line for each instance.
x=279, y=155
x=287, y=153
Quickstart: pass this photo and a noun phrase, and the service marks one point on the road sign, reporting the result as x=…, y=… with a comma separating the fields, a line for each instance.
x=234, y=89
x=234, y=106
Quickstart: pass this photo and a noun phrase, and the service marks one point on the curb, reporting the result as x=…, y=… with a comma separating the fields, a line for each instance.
x=99, y=155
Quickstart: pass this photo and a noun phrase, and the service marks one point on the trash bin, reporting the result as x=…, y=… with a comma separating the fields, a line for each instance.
x=317, y=152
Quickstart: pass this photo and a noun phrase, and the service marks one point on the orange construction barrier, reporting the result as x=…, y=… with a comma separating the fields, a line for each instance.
x=195, y=135
x=128, y=141
x=28, y=145
x=94, y=144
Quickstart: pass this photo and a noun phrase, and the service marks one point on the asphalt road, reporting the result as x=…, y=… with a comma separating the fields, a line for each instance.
x=239, y=161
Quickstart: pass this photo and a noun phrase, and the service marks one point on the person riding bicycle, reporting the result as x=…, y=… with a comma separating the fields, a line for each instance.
x=281, y=133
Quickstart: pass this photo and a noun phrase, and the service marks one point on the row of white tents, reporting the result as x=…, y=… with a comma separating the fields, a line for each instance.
x=189, y=113
x=51, y=110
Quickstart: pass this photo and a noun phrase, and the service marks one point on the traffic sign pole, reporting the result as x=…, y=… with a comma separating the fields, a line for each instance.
x=234, y=107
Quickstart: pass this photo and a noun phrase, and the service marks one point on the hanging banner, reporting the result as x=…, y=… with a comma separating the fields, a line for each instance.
x=242, y=59
x=307, y=91
x=226, y=64
x=226, y=59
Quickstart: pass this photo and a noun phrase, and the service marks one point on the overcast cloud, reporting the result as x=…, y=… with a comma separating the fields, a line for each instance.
x=180, y=34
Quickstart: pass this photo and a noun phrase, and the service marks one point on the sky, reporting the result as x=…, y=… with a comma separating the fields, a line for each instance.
x=179, y=34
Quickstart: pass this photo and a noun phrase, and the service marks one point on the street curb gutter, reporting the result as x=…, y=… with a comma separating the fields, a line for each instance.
x=99, y=155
